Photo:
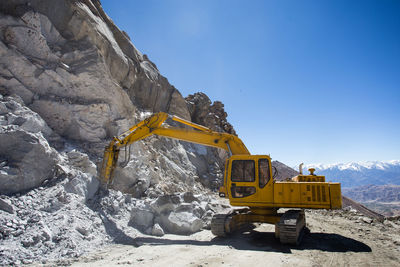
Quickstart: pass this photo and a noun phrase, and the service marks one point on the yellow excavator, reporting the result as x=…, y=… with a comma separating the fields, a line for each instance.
x=248, y=180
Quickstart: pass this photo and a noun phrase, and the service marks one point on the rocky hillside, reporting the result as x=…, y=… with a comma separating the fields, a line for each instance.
x=70, y=80
x=379, y=193
x=283, y=171
x=382, y=198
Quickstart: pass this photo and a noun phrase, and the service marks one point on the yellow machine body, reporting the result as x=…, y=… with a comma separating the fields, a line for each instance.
x=257, y=190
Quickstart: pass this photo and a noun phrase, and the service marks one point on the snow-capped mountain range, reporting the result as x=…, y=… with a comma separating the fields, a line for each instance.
x=355, y=174
x=357, y=166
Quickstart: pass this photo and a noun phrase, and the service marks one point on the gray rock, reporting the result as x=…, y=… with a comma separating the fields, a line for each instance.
x=210, y=115
x=82, y=162
x=83, y=184
x=30, y=158
x=6, y=205
x=82, y=230
x=29, y=40
x=157, y=230
x=3, y=109
x=165, y=204
x=141, y=218
x=46, y=234
x=26, y=119
x=367, y=220
x=193, y=208
x=207, y=219
x=30, y=241
x=181, y=223
x=189, y=197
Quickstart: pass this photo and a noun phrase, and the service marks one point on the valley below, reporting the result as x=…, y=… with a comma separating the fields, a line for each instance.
x=384, y=199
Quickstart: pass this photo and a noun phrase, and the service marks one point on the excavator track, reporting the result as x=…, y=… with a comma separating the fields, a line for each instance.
x=218, y=225
x=290, y=228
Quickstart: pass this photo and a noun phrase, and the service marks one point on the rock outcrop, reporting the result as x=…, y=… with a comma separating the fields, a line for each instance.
x=211, y=115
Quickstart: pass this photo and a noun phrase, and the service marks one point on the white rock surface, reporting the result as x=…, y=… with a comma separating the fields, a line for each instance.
x=180, y=223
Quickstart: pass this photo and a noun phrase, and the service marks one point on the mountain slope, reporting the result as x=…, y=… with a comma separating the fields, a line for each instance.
x=358, y=174
x=382, y=198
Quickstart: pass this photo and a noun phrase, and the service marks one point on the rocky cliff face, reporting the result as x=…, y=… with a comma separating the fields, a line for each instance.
x=72, y=65
x=78, y=73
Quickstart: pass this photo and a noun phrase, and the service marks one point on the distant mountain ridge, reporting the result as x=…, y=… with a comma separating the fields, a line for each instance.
x=356, y=174
x=358, y=166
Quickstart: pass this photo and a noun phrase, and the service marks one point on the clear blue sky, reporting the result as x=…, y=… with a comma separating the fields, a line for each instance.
x=303, y=81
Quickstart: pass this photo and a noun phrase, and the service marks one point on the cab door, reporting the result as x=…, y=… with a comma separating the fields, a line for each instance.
x=265, y=181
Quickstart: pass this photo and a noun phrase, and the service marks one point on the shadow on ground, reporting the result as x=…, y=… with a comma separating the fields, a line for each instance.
x=266, y=241
x=246, y=239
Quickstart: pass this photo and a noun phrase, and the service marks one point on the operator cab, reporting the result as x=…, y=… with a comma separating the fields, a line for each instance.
x=247, y=176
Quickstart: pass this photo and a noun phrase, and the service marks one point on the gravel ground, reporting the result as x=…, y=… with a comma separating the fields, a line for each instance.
x=337, y=238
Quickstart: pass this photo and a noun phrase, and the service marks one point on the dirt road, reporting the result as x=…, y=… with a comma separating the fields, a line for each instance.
x=336, y=239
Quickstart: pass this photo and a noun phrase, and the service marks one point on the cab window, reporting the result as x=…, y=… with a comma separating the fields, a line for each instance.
x=263, y=172
x=242, y=191
x=243, y=171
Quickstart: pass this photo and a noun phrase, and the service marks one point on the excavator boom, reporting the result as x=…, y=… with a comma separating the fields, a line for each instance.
x=153, y=125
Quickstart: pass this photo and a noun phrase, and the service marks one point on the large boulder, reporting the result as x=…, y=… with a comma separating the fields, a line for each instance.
x=181, y=223
x=83, y=177
x=142, y=218
x=165, y=204
x=26, y=158
x=181, y=214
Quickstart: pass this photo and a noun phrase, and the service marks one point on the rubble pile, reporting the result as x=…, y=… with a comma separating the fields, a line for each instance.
x=176, y=214
x=63, y=219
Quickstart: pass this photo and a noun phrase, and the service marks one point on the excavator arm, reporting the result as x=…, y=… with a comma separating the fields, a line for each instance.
x=153, y=125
